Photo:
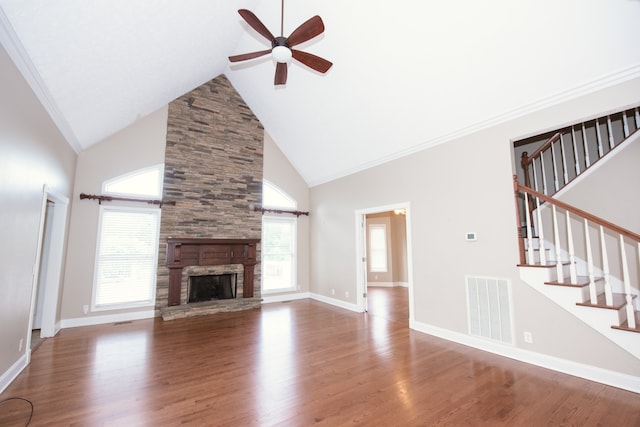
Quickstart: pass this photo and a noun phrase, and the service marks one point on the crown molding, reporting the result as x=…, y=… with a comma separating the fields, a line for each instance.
x=595, y=85
x=18, y=54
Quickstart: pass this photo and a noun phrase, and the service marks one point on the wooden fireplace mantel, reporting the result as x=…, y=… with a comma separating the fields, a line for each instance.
x=189, y=252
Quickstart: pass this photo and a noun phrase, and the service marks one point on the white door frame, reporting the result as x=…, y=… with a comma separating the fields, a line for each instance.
x=53, y=274
x=361, y=269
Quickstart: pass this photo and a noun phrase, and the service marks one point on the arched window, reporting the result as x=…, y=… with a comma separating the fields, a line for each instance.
x=127, y=253
x=143, y=183
x=274, y=197
x=278, y=242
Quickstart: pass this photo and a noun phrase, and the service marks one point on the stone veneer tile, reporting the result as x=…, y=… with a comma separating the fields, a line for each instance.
x=213, y=170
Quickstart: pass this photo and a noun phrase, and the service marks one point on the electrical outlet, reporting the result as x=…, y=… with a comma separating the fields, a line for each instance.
x=346, y=294
x=85, y=309
x=333, y=291
x=528, y=337
x=20, y=345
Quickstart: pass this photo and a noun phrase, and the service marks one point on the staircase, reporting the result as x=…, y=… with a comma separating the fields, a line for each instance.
x=584, y=263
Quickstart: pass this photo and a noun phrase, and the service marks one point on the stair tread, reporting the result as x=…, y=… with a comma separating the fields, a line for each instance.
x=625, y=324
x=581, y=282
x=618, y=300
x=548, y=264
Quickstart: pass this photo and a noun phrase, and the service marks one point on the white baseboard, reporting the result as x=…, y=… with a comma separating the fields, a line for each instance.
x=285, y=297
x=108, y=318
x=592, y=373
x=336, y=302
x=12, y=373
x=387, y=284
x=380, y=285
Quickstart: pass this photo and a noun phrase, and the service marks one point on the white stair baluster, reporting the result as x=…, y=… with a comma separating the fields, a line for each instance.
x=564, y=161
x=531, y=257
x=608, y=295
x=556, y=238
x=631, y=318
x=599, y=138
x=543, y=172
x=593, y=292
x=572, y=254
x=556, y=183
x=585, y=143
x=625, y=124
x=535, y=175
x=575, y=150
x=637, y=115
x=612, y=142
x=540, y=228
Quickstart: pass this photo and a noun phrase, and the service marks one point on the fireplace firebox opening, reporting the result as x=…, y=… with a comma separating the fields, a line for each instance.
x=213, y=287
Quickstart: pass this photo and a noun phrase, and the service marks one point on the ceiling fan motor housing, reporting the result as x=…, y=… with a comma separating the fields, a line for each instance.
x=281, y=51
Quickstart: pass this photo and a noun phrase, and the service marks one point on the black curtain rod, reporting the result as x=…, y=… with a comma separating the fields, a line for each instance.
x=280, y=211
x=101, y=199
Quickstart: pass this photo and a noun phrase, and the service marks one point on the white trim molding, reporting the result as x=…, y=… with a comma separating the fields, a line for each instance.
x=285, y=297
x=12, y=373
x=107, y=318
x=336, y=302
x=591, y=373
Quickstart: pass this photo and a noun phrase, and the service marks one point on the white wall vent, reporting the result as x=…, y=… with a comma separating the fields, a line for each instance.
x=489, y=308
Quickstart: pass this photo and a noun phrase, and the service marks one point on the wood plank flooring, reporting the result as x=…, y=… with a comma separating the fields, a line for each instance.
x=297, y=363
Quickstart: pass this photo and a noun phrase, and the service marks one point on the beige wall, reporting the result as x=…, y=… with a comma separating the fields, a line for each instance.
x=461, y=186
x=138, y=146
x=279, y=171
x=32, y=153
x=399, y=249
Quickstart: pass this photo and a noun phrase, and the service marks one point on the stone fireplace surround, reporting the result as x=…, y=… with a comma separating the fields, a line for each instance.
x=213, y=172
x=198, y=256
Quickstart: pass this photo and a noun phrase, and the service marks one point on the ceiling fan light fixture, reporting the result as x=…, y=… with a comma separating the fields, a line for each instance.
x=281, y=54
x=281, y=47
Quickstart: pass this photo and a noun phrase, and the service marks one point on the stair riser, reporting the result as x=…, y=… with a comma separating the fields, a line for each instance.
x=606, y=316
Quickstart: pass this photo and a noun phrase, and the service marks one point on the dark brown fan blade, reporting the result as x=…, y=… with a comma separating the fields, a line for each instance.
x=308, y=30
x=245, y=56
x=311, y=61
x=281, y=73
x=256, y=24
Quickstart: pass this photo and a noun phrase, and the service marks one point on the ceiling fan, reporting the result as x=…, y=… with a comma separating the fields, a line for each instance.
x=282, y=47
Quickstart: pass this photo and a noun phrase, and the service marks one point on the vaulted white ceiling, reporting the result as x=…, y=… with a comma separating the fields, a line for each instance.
x=407, y=74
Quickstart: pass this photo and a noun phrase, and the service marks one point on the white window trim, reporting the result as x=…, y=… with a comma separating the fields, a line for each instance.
x=119, y=306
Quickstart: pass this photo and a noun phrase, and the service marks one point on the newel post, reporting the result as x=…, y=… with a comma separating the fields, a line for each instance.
x=524, y=162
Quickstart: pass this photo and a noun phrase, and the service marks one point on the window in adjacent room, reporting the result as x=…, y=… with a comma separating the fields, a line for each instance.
x=377, y=248
x=278, y=242
x=127, y=249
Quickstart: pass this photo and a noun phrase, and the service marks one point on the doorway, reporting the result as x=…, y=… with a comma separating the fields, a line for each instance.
x=46, y=283
x=395, y=279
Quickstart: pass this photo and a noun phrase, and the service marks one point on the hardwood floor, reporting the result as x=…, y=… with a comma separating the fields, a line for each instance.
x=295, y=364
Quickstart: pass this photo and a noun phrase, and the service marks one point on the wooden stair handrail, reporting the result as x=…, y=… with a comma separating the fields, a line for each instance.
x=580, y=212
x=526, y=159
